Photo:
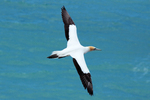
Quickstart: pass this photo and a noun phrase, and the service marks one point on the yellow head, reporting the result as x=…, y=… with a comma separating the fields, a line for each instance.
x=93, y=48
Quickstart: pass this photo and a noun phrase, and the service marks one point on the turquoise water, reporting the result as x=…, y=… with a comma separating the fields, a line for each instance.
x=31, y=30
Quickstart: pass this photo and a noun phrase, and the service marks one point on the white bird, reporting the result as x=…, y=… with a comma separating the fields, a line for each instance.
x=75, y=50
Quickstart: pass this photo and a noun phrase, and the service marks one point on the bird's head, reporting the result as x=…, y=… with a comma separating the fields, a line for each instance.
x=93, y=48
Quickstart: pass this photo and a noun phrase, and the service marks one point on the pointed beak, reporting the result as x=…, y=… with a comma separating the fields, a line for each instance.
x=97, y=49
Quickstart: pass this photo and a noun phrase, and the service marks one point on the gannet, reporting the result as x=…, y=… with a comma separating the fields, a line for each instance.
x=75, y=50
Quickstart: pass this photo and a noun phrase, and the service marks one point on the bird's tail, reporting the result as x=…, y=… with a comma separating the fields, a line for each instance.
x=56, y=54
x=53, y=56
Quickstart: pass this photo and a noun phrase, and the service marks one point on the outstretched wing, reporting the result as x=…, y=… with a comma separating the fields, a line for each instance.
x=70, y=28
x=78, y=58
x=83, y=72
x=67, y=21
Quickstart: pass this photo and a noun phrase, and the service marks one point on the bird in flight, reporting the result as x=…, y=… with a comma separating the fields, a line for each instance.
x=75, y=50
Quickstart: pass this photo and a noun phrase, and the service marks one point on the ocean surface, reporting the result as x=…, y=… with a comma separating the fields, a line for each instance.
x=31, y=29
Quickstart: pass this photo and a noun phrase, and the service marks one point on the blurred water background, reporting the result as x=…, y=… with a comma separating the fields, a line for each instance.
x=31, y=29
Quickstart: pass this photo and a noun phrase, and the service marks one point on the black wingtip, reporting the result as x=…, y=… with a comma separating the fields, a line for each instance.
x=63, y=8
x=90, y=88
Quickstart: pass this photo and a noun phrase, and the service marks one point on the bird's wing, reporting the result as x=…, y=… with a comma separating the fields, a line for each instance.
x=70, y=28
x=83, y=71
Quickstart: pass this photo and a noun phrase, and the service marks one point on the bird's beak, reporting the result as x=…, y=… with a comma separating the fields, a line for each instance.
x=97, y=49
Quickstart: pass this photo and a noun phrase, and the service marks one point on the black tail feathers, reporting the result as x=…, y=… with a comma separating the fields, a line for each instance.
x=53, y=56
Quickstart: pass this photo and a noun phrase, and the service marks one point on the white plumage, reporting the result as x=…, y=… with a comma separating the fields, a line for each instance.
x=76, y=51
